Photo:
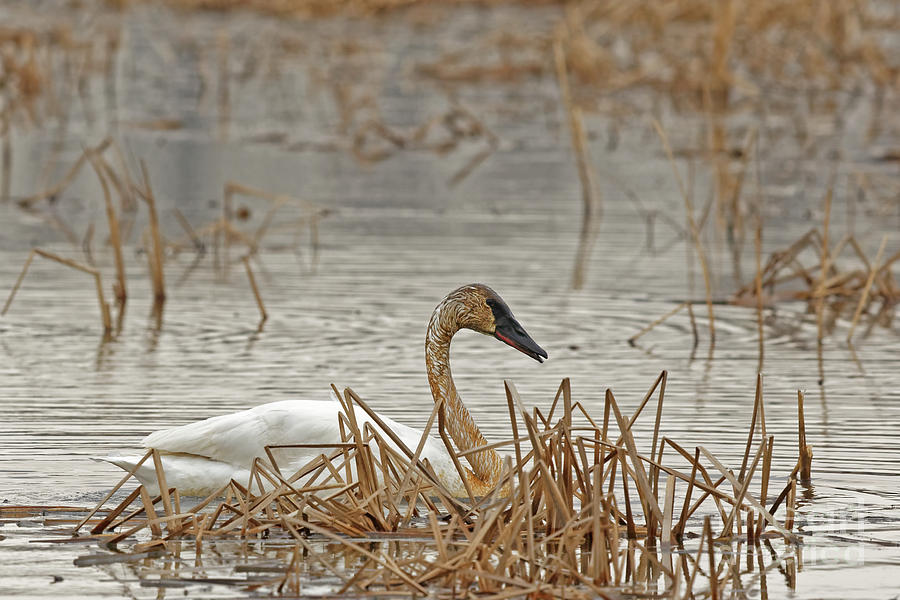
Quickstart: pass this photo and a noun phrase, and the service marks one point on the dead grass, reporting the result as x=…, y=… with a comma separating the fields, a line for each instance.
x=834, y=279
x=561, y=521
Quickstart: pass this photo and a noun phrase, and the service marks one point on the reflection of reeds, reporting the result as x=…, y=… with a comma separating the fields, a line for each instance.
x=552, y=521
x=695, y=231
x=104, y=306
x=590, y=197
x=661, y=319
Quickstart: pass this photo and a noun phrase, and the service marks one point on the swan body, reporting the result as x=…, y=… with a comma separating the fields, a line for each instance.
x=200, y=458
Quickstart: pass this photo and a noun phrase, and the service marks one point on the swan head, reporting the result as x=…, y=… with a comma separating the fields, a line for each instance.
x=482, y=309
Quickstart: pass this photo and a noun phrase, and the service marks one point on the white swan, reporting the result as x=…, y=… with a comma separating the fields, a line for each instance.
x=200, y=458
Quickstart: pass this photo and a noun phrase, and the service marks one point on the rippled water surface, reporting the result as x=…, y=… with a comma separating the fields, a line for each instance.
x=353, y=311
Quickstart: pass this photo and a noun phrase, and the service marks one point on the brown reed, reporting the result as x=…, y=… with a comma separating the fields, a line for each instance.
x=550, y=525
x=263, y=315
x=226, y=229
x=814, y=271
x=155, y=254
x=115, y=240
x=105, y=318
x=67, y=179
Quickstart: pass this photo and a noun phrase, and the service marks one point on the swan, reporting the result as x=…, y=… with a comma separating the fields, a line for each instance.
x=201, y=457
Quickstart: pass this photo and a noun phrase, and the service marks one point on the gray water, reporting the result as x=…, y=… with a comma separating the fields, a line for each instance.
x=353, y=313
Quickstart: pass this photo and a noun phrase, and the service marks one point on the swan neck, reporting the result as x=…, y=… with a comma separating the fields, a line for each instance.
x=486, y=465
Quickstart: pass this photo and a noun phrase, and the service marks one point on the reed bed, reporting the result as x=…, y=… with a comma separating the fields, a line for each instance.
x=835, y=280
x=726, y=62
x=109, y=165
x=579, y=511
x=838, y=282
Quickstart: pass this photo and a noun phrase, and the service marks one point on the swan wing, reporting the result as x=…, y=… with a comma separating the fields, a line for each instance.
x=232, y=441
x=238, y=438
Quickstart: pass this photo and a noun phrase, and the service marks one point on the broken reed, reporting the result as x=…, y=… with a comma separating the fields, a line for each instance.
x=226, y=230
x=105, y=317
x=577, y=511
x=834, y=280
x=120, y=222
x=106, y=175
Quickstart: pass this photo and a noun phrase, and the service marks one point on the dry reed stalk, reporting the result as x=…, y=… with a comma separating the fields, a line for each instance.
x=377, y=419
x=67, y=179
x=713, y=577
x=678, y=530
x=259, y=301
x=757, y=409
x=311, y=213
x=651, y=507
x=105, y=317
x=868, y=286
x=156, y=259
x=119, y=288
x=790, y=509
x=767, y=465
x=662, y=392
x=199, y=246
x=805, y=459
x=659, y=321
x=109, y=494
x=828, y=286
x=668, y=508
x=127, y=199
x=726, y=531
x=730, y=477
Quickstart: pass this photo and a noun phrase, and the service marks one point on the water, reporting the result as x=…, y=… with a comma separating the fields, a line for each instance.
x=399, y=238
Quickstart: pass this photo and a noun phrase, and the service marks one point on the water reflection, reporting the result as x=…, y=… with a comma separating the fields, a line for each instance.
x=318, y=567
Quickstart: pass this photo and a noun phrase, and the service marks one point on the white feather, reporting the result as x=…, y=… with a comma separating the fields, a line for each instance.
x=199, y=458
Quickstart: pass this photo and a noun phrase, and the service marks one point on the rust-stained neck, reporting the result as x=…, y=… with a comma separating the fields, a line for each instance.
x=448, y=318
